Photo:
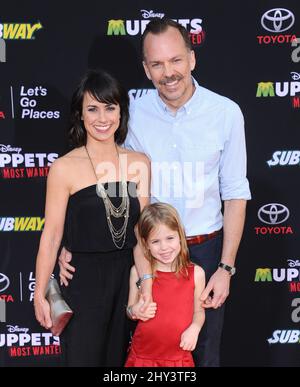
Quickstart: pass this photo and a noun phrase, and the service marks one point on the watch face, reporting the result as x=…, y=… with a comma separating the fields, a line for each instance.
x=228, y=268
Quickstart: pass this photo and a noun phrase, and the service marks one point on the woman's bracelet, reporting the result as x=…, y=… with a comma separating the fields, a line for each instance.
x=129, y=312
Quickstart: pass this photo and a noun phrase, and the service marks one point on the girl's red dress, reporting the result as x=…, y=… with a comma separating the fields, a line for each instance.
x=156, y=342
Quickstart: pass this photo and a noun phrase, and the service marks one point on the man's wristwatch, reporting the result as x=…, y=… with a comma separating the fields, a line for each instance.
x=231, y=270
x=143, y=278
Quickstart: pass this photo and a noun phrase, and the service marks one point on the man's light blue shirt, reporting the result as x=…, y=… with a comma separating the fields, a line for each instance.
x=198, y=155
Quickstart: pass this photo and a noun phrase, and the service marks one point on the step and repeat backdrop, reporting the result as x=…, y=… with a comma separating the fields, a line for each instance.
x=247, y=51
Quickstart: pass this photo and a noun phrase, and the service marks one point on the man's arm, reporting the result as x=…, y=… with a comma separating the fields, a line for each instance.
x=234, y=219
x=234, y=191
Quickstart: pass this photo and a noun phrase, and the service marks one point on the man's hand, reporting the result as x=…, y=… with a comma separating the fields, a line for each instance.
x=189, y=337
x=218, y=285
x=65, y=269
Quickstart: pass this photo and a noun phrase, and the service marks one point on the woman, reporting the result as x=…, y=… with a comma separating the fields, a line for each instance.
x=92, y=200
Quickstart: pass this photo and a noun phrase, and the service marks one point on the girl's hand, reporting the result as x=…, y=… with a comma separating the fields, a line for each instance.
x=147, y=314
x=189, y=338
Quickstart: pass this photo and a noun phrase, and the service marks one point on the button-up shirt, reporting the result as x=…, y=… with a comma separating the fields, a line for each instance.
x=198, y=154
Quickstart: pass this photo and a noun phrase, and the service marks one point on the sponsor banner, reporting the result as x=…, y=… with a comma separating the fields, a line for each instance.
x=28, y=100
x=5, y=294
x=22, y=342
x=21, y=223
x=276, y=274
x=16, y=32
x=277, y=22
x=285, y=336
x=284, y=158
x=19, y=31
x=271, y=89
x=136, y=27
x=16, y=164
x=21, y=291
x=137, y=93
x=273, y=215
x=289, y=275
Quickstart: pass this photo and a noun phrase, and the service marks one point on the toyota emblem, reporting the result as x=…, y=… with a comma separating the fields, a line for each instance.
x=277, y=20
x=4, y=282
x=273, y=213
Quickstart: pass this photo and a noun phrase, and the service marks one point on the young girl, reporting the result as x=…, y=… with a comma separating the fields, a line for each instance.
x=169, y=337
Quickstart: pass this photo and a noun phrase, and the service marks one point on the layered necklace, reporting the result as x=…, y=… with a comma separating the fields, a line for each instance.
x=122, y=211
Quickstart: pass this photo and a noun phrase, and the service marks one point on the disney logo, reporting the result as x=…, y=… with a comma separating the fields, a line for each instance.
x=293, y=263
x=15, y=328
x=295, y=76
x=147, y=14
x=9, y=148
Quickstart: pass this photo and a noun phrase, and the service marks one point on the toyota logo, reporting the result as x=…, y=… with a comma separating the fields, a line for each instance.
x=4, y=282
x=277, y=20
x=273, y=213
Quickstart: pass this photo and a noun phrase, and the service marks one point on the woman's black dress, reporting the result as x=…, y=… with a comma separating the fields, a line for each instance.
x=98, y=333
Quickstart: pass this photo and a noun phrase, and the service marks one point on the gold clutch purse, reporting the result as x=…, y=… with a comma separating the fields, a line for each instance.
x=59, y=310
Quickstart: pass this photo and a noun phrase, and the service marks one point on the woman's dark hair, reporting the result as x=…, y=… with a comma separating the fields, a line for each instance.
x=106, y=89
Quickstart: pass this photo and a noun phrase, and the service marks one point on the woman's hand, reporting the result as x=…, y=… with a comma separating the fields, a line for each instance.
x=42, y=312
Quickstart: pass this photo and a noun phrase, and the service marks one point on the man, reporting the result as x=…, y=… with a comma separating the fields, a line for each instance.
x=198, y=137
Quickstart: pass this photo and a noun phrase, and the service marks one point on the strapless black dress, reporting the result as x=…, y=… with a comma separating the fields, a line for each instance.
x=98, y=333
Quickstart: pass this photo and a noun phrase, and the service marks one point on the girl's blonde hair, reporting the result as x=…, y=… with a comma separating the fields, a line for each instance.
x=162, y=213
